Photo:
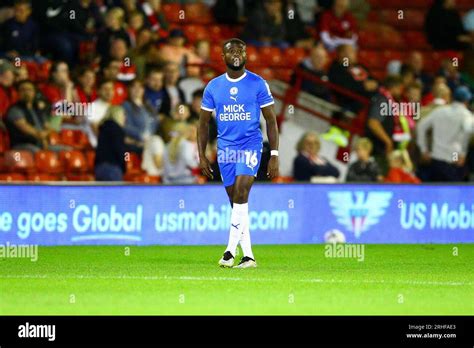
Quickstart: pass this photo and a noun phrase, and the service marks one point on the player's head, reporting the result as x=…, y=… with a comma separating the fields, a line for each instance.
x=234, y=54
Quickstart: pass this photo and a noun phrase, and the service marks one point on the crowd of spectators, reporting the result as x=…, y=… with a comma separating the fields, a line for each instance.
x=145, y=82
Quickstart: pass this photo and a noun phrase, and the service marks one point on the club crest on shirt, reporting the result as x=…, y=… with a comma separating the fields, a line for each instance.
x=233, y=93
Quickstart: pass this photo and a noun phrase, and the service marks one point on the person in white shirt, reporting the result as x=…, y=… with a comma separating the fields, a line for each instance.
x=452, y=126
x=153, y=151
x=99, y=109
x=181, y=156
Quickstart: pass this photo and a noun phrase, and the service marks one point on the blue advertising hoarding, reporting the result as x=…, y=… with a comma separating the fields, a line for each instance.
x=197, y=215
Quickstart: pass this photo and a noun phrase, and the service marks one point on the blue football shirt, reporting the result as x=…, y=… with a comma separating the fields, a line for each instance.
x=237, y=103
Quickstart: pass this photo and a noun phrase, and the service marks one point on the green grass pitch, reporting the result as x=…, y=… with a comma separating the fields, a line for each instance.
x=290, y=280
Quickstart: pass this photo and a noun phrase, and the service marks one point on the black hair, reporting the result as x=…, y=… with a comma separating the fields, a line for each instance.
x=198, y=93
x=233, y=41
x=392, y=81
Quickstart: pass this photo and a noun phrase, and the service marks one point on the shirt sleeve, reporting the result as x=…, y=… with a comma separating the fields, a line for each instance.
x=264, y=95
x=207, y=99
x=15, y=114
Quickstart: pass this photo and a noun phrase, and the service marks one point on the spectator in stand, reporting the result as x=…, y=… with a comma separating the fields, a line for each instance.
x=440, y=95
x=383, y=125
x=451, y=73
x=140, y=123
x=232, y=12
x=136, y=23
x=416, y=63
x=444, y=28
x=19, y=36
x=155, y=18
x=452, y=126
x=55, y=39
x=26, y=122
x=143, y=51
x=202, y=49
x=401, y=168
x=154, y=92
x=316, y=65
x=195, y=109
x=266, y=25
x=338, y=26
x=180, y=114
x=8, y=93
x=87, y=20
x=174, y=51
x=110, y=153
x=296, y=34
x=119, y=52
x=99, y=109
x=308, y=163
x=365, y=169
x=346, y=72
x=407, y=74
x=85, y=91
x=111, y=72
x=181, y=155
x=60, y=87
x=153, y=153
x=114, y=21
x=173, y=94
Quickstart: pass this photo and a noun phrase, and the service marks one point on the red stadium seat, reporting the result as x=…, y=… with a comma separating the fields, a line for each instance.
x=133, y=162
x=292, y=56
x=372, y=59
x=74, y=138
x=19, y=161
x=198, y=13
x=54, y=138
x=3, y=167
x=48, y=162
x=416, y=40
x=266, y=73
x=216, y=33
x=272, y=56
x=284, y=74
x=42, y=177
x=368, y=39
x=253, y=56
x=73, y=161
x=12, y=177
x=80, y=177
x=90, y=158
x=142, y=178
x=4, y=141
x=195, y=32
x=412, y=19
x=216, y=53
x=173, y=12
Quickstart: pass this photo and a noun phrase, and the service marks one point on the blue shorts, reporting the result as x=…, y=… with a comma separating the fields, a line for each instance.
x=237, y=160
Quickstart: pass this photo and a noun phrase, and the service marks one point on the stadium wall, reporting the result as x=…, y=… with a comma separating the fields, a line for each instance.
x=198, y=215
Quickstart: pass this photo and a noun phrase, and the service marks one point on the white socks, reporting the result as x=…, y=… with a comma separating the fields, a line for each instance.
x=239, y=230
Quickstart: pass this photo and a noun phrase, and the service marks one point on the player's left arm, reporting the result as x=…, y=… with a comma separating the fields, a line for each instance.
x=272, y=133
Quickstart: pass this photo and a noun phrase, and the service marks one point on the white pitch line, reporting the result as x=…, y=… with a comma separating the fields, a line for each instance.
x=194, y=278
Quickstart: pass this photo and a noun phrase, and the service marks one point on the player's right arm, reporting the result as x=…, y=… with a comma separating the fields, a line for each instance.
x=207, y=107
x=203, y=138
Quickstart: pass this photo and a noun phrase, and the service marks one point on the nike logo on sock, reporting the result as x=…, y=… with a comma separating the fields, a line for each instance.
x=236, y=226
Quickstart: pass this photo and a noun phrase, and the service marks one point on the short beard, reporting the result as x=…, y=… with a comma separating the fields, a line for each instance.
x=236, y=68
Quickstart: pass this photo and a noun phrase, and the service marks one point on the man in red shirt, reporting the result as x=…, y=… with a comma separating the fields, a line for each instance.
x=8, y=94
x=111, y=72
x=338, y=26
